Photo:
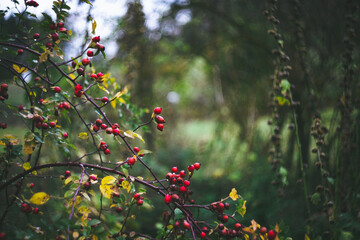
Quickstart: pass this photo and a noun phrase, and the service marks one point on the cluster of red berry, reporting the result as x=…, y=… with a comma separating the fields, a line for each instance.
x=64, y=105
x=40, y=123
x=159, y=119
x=3, y=92
x=78, y=90
x=92, y=179
x=139, y=199
x=27, y=208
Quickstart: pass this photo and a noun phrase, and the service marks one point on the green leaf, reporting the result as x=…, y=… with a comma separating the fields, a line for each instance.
x=93, y=222
x=282, y=101
x=285, y=86
x=241, y=207
x=315, y=198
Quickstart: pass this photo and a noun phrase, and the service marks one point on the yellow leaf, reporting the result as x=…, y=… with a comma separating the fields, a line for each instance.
x=233, y=194
x=94, y=237
x=93, y=27
x=247, y=237
x=104, y=89
x=75, y=235
x=72, y=76
x=106, y=190
x=306, y=237
x=113, y=104
x=126, y=185
x=26, y=166
x=122, y=100
x=29, y=147
x=44, y=56
x=69, y=179
x=39, y=198
x=34, y=172
x=69, y=32
x=77, y=201
x=19, y=70
x=83, y=135
x=282, y=101
x=242, y=210
x=84, y=210
x=113, y=205
x=108, y=180
x=139, y=136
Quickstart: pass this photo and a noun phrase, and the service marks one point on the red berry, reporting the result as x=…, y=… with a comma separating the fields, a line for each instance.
x=227, y=205
x=107, y=151
x=159, y=119
x=92, y=177
x=60, y=24
x=182, y=174
x=2, y=235
x=271, y=235
x=225, y=218
x=90, y=53
x=137, y=196
x=191, y=168
x=73, y=64
x=36, y=211
x=52, y=124
x=139, y=202
x=167, y=198
x=119, y=209
x=263, y=230
x=186, y=183
x=220, y=206
x=57, y=89
x=55, y=36
x=186, y=225
x=136, y=149
x=116, y=131
x=38, y=125
x=4, y=87
x=174, y=169
x=98, y=122
x=48, y=45
x=45, y=126
x=67, y=173
x=100, y=47
x=53, y=26
x=104, y=99
x=62, y=30
x=131, y=161
x=87, y=185
x=202, y=235
x=95, y=128
x=20, y=52
x=115, y=125
x=160, y=126
x=238, y=226
x=31, y=185
x=94, y=76
x=36, y=36
x=78, y=87
x=183, y=189
x=80, y=71
x=157, y=110
x=197, y=166
x=103, y=126
x=85, y=61
x=65, y=135
x=109, y=130
x=96, y=39
x=100, y=75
